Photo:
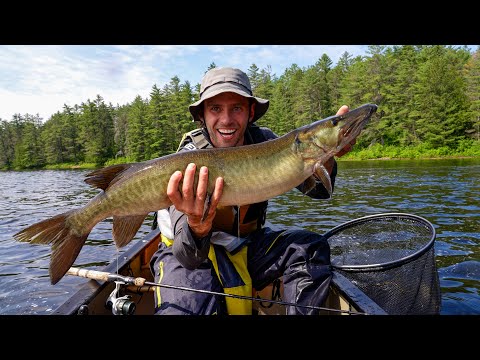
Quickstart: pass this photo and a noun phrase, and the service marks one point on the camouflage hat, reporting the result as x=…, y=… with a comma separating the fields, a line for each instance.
x=226, y=79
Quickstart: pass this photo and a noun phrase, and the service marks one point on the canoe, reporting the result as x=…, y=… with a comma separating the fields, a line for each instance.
x=95, y=296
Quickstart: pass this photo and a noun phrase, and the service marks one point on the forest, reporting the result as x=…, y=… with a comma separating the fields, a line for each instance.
x=428, y=99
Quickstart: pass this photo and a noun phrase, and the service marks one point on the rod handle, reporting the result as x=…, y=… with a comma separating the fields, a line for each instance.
x=89, y=274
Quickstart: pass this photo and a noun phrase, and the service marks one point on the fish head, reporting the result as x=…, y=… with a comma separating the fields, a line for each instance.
x=350, y=125
x=325, y=138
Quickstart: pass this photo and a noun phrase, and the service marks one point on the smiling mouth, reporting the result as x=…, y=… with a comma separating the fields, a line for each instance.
x=226, y=132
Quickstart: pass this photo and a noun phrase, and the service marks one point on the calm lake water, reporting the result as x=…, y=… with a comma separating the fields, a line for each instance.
x=445, y=192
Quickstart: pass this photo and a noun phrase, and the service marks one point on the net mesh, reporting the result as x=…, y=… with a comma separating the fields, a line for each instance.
x=390, y=257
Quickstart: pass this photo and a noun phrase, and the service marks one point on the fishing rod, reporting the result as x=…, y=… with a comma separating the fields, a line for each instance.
x=141, y=282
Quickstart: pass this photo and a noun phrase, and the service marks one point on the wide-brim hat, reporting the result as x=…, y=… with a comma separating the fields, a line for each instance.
x=226, y=79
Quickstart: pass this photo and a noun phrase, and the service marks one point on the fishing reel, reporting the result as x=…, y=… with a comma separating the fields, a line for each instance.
x=120, y=305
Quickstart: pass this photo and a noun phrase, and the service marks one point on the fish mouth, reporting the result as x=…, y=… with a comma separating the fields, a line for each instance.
x=354, y=126
x=353, y=130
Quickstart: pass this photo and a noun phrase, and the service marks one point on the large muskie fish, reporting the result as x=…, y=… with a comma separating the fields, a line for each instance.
x=251, y=173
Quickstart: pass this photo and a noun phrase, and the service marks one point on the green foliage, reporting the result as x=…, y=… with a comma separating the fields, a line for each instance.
x=138, y=126
x=8, y=142
x=119, y=160
x=96, y=130
x=68, y=166
x=466, y=148
x=428, y=98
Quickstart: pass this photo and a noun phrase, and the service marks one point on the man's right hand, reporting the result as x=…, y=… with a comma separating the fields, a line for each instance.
x=191, y=201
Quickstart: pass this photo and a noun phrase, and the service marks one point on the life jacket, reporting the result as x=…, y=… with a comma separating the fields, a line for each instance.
x=231, y=268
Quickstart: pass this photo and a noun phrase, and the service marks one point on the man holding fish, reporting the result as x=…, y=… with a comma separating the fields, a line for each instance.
x=229, y=248
x=212, y=218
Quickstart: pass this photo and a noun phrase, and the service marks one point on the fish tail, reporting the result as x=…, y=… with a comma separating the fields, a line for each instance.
x=66, y=242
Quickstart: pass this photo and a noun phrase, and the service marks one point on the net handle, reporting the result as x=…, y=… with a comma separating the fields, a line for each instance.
x=390, y=264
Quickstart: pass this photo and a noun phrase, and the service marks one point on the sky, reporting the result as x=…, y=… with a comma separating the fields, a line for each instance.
x=40, y=79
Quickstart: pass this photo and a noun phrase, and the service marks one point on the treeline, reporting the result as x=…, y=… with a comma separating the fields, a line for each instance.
x=428, y=96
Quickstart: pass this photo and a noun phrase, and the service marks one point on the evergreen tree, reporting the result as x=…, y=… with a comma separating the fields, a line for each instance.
x=30, y=150
x=440, y=98
x=70, y=131
x=120, y=125
x=263, y=88
x=7, y=145
x=136, y=144
x=399, y=95
x=472, y=78
x=157, y=134
x=283, y=109
x=96, y=132
x=52, y=136
x=334, y=81
x=316, y=89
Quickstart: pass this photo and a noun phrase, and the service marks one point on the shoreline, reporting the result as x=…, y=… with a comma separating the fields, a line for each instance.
x=88, y=166
x=408, y=158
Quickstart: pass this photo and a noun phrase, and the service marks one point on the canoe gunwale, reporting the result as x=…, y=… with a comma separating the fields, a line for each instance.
x=360, y=301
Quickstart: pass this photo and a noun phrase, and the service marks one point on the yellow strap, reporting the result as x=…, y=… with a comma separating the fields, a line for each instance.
x=181, y=141
x=166, y=240
x=236, y=306
x=160, y=277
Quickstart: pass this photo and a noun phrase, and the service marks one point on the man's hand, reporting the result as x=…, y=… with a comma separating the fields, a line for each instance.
x=191, y=201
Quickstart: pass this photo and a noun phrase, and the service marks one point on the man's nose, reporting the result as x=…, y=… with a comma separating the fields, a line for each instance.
x=227, y=116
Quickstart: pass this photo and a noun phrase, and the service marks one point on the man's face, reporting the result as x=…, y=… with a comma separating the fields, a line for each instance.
x=226, y=117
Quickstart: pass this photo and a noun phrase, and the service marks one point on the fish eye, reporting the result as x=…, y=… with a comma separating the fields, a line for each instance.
x=297, y=140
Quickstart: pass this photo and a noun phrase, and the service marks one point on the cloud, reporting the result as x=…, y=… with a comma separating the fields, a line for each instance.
x=42, y=78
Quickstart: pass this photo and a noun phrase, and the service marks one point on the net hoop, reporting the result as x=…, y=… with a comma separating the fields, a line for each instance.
x=389, y=264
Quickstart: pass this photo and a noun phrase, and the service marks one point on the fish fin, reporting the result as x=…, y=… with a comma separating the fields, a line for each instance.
x=102, y=178
x=125, y=228
x=64, y=253
x=322, y=174
x=206, y=206
x=66, y=244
